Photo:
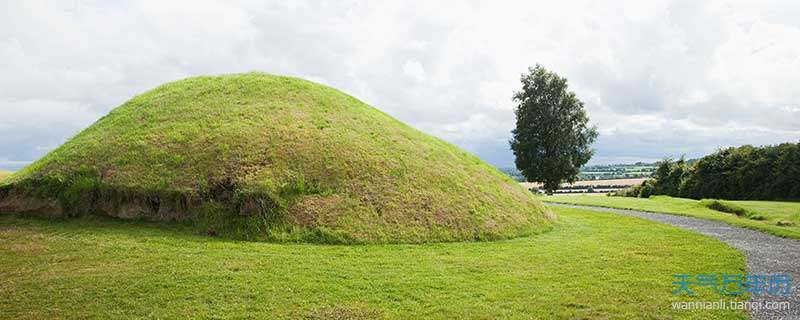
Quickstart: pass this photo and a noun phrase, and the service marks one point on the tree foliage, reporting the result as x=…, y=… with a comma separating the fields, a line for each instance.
x=552, y=137
x=746, y=172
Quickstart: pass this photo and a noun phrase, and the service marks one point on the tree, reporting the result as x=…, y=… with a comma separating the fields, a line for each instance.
x=669, y=178
x=552, y=136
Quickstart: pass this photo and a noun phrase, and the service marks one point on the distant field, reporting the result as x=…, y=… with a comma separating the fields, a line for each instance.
x=590, y=266
x=623, y=182
x=616, y=171
x=599, y=187
x=601, y=172
x=787, y=214
x=4, y=174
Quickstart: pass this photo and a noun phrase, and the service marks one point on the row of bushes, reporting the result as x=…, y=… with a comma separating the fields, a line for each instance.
x=747, y=172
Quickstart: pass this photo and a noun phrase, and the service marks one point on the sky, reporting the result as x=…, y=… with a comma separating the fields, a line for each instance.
x=658, y=78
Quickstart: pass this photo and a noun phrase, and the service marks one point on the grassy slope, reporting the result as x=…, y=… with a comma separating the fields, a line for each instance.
x=339, y=165
x=593, y=265
x=4, y=174
x=773, y=211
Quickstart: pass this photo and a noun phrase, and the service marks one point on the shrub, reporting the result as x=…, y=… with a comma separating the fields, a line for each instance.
x=632, y=191
x=728, y=207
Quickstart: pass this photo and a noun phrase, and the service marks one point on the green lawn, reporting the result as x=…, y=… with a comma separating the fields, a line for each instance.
x=591, y=265
x=775, y=210
x=772, y=211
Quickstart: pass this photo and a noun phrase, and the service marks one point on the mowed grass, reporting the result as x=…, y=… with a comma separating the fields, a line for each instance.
x=779, y=218
x=591, y=265
x=775, y=210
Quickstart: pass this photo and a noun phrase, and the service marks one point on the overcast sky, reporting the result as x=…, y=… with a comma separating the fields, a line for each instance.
x=661, y=78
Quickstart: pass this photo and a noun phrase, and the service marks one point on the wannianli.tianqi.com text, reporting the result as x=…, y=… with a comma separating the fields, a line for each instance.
x=731, y=305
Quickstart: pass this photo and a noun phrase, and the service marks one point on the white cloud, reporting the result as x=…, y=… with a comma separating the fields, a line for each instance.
x=414, y=69
x=658, y=78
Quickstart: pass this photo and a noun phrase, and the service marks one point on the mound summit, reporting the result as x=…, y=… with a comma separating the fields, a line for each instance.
x=266, y=157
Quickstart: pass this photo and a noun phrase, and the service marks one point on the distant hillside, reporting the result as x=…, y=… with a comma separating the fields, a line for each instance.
x=601, y=172
x=617, y=171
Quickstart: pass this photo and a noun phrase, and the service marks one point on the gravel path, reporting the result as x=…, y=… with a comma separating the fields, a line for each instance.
x=766, y=254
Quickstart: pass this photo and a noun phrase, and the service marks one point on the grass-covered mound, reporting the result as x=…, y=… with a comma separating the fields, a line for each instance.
x=258, y=156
